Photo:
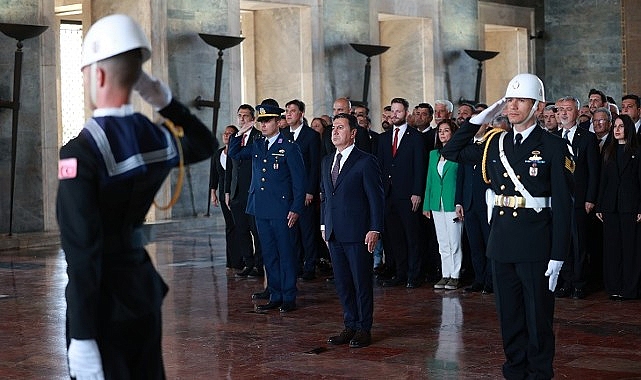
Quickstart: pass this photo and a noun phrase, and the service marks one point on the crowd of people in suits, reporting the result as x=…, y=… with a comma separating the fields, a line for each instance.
x=436, y=226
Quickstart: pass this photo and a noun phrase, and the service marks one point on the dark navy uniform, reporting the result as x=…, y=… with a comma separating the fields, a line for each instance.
x=277, y=187
x=523, y=239
x=109, y=175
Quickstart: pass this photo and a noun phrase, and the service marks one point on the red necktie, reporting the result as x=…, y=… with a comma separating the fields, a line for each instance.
x=395, y=143
x=244, y=140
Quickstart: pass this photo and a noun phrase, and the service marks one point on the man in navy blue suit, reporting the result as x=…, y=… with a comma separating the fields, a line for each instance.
x=276, y=199
x=352, y=207
x=309, y=142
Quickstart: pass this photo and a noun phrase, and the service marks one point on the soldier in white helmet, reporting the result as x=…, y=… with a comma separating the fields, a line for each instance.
x=529, y=170
x=108, y=176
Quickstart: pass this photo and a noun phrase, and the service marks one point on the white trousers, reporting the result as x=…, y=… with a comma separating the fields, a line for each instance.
x=448, y=235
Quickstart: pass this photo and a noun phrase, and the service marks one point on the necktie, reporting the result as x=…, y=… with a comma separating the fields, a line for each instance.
x=336, y=168
x=243, y=142
x=266, y=145
x=517, y=141
x=395, y=143
x=565, y=134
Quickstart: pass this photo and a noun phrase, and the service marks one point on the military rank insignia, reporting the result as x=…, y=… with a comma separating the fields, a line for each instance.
x=569, y=164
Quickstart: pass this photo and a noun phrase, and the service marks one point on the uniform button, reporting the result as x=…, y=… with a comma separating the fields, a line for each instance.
x=256, y=156
x=265, y=160
x=501, y=212
x=262, y=179
x=505, y=175
x=262, y=188
x=518, y=176
x=264, y=170
x=502, y=187
x=514, y=214
x=389, y=176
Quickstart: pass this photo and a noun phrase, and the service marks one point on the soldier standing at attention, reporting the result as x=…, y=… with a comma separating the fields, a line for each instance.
x=276, y=199
x=108, y=176
x=530, y=171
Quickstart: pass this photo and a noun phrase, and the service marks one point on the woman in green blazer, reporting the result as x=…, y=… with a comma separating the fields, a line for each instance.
x=443, y=193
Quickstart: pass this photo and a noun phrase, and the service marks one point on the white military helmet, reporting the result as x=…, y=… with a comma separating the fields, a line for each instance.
x=113, y=35
x=526, y=86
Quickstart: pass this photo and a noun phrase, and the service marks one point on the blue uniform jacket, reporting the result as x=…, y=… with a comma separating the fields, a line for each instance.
x=278, y=177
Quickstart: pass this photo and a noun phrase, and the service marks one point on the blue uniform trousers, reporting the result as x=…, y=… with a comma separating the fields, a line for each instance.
x=279, y=257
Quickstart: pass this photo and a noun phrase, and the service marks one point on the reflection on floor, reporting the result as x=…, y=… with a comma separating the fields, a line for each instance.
x=211, y=330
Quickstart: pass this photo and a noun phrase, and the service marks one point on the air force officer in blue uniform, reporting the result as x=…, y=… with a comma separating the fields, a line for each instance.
x=276, y=199
x=352, y=209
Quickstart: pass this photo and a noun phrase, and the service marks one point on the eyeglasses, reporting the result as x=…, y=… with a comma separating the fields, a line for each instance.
x=600, y=121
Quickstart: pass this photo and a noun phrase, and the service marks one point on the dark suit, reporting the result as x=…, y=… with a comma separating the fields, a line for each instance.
x=523, y=240
x=277, y=187
x=429, y=244
x=217, y=184
x=349, y=209
x=586, y=187
x=477, y=227
x=619, y=201
x=237, y=186
x=403, y=175
x=114, y=294
x=307, y=226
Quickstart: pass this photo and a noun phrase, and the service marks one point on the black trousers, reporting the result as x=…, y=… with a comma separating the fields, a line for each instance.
x=620, y=254
x=234, y=259
x=247, y=240
x=525, y=306
x=401, y=238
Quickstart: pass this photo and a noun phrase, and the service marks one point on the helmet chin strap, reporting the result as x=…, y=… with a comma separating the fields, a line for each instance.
x=93, y=83
x=534, y=107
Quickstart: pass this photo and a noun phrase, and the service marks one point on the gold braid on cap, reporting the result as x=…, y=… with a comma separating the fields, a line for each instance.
x=486, y=139
x=178, y=133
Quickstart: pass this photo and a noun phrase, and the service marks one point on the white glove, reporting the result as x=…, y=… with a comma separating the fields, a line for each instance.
x=153, y=91
x=489, y=113
x=554, y=267
x=84, y=360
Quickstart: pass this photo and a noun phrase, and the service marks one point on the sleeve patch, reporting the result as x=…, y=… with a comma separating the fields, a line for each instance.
x=67, y=168
x=569, y=164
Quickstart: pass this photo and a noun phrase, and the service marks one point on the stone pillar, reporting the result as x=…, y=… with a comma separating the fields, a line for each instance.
x=33, y=180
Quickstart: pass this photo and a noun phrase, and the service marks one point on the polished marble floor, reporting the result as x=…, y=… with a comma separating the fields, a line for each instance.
x=212, y=332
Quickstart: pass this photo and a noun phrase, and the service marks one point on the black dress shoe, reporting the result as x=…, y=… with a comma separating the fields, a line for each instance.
x=474, y=288
x=269, y=306
x=488, y=289
x=362, y=338
x=343, y=338
x=264, y=295
x=562, y=293
x=288, y=306
x=413, y=284
x=308, y=276
x=394, y=281
x=255, y=272
x=244, y=273
x=578, y=294
x=616, y=297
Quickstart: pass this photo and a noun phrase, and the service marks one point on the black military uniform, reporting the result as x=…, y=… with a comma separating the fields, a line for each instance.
x=109, y=175
x=523, y=239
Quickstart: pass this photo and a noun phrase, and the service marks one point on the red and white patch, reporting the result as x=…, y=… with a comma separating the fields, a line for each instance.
x=68, y=168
